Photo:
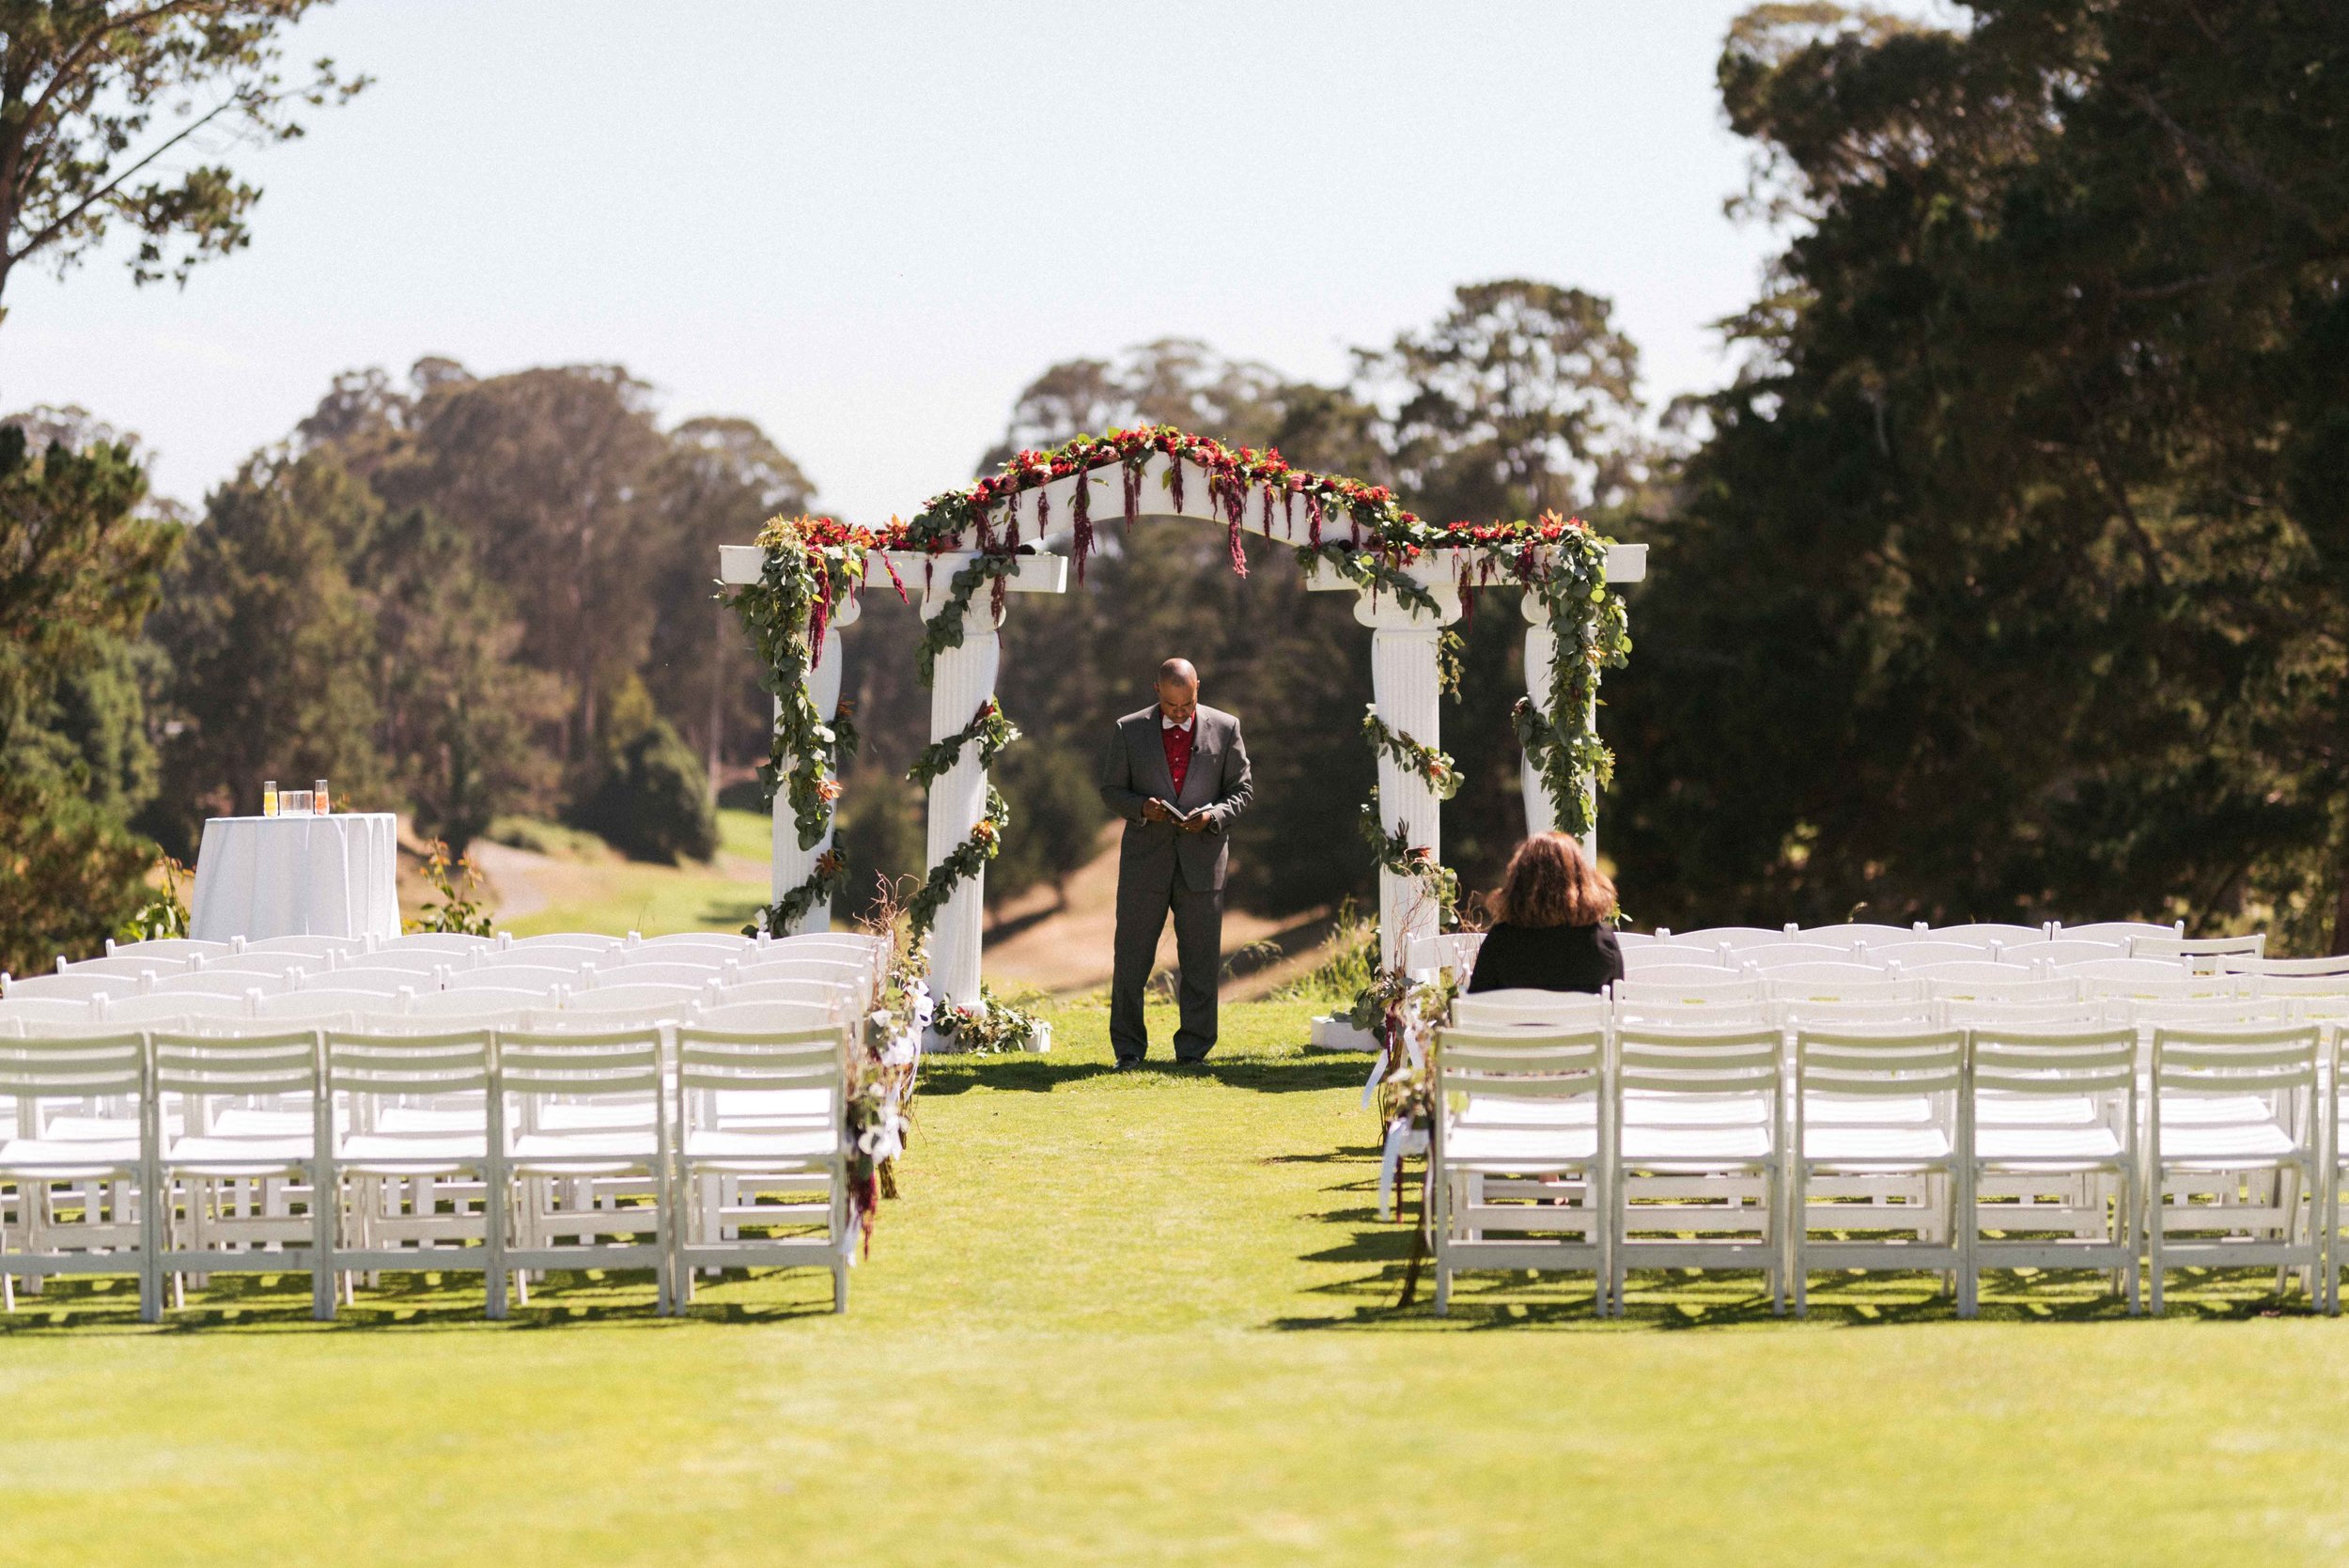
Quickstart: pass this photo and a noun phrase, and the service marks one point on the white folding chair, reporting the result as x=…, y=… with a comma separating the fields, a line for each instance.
x=1879, y=1120
x=1659, y=977
x=238, y=984
x=422, y=1130
x=172, y=949
x=1985, y=934
x=2171, y=986
x=81, y=1188
x=1862, y=982
x=542, y=978
x=775, y=1016
x=2122, y=931
x=1774, y=956
x=2204, y=955
x=590, y=940
x=131, y=967
x=1453, y=950
x=309, y=947
x=1739, y=938
x=1644, y=1001
x=1676, y=956
x=438, y=942
x=576, y=1181
x=2036, y=991
x=41, y=1010
x=288, y=968
x=1518, y=1155
x=426, y=962
x=666, y=1000
x=325, y=1006
x=1915, y=953
x=1983, y=1013
x=570, y=960
x=1520, y=1007
x=826, y=992
x=731, y=945
x=693, y=976
x=2055, y=1149
x=2253, y=1178
x=1979, y=973
x=1916, y=1014
x=847, y=971
x=245, y=1158
x=171, y=1012
x=778, y=1161
x=472, y=1002
x=2062, y=952
x=2334, y=967
x=72, y=988
x=1852, y=934
x=1696, y=1149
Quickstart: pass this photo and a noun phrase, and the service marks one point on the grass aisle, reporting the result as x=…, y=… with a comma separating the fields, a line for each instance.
x=1148, y=1318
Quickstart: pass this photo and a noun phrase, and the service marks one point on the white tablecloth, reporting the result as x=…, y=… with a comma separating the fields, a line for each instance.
x=260, y=876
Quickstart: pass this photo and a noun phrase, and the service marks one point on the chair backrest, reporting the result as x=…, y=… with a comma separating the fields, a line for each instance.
x=1740, y=936
x=2298, y=985
x=1648, y=991
x=1856, y=981
x=541, y=978
x=1686, y=974
x=272, y=1061
x=132, y=965
x=605, y=998
x=441, y=942
x=1520, y=1007
x=1452, y=949
x=408, y=961
x=71, y=1066
x=311, y=947
x=623, y=1060
x=1976, y=974
x=2011, y=1061
x=177, y=948
x=2202, y=954
x=755, y=1059
x=1851, y=934
x=1915, y=1014
x=592, y=940
x=1676, y=952
x=36, y=1010
x=283, y=966
x=324, y=1004
x=2057, y=989
x=1778, y=955
x=2336, y=966
x=2169, y=986
x=814, y=966
x=1731, y=1061
x=652, y=974
x=384, y=984
x=1990, y=1013
x=1986, y=934
x=784, y=1016
x=218, y=983
x=2254, y=1060
x=398, y=1062
x=2217, y=1012
x=468, y=1001
x=2068, y=950
x=1913, y=953
x=1519, y=1065
x=1866, y=1064
x=823, y=992
x=74, y=987
x=169, y=1010
x=729, y=943
x=2118, y=930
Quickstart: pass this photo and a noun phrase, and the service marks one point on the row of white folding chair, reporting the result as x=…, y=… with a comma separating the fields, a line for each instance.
x=544, y=1159
x=1906, y=1133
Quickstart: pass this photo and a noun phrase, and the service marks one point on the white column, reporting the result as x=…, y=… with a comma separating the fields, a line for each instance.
x=1402, y=674
x=964, y=678
x=793, y=864
x=1541, y=649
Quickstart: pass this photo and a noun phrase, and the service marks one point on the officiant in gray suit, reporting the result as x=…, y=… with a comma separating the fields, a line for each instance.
x=1177, y=773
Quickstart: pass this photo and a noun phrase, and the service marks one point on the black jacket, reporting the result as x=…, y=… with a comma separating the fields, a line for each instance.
x=1547, y=958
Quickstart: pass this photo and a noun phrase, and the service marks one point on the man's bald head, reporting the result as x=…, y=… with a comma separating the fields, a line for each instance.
x=1178, y=689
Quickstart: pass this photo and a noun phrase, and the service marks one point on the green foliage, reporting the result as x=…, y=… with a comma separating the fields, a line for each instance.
x=163, y=915
x=989, y=1026
x=99, y=97
x=1053, y=793
x=962, y=862
x=70, y=875
x=881, y=834
x=459, y=911
x=1349, y=970
x=652, y=802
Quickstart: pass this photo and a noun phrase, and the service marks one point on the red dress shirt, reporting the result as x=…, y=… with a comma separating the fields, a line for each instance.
x=1177, y=739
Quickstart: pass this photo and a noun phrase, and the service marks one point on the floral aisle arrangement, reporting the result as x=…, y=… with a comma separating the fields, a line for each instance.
x=884, y=1067
x=992, y=1025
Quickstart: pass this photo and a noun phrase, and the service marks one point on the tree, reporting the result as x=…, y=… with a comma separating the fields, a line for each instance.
x=2009, y=580
x=652, y=802
x=271, y=648
x=96, y=95
x=1056, y=812
x=68, y=874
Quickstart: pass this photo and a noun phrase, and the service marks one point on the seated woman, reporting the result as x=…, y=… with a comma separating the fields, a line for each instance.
x=1553, y=922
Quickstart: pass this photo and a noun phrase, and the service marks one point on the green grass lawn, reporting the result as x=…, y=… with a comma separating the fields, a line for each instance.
x=1150, y=1318
x=594, y=887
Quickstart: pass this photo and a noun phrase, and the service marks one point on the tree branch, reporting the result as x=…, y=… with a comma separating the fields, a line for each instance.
x=66, y=66
x=111, y=186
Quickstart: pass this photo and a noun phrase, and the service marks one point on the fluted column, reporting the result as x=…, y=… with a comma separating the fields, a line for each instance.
x=1402, y=674
x=964, y=677
x=1541, y=649
x=793, y=864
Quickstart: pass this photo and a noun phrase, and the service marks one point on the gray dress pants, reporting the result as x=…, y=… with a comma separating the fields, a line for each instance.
x=1141, y=912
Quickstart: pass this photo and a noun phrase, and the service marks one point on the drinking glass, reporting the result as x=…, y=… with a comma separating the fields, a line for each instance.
x=293, y=802
x=268, y=797
x=317, y=797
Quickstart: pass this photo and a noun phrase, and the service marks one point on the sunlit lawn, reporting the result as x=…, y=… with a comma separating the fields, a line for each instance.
x=1150, y=1318
x=592, y=888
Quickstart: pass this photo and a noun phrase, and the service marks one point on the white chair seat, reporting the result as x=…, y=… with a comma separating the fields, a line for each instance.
x=1649, y=1143
x=1686, y=1111
x=593, y=1118
x=244, y=1122
x=2019, y=1110
x=1520, y=1148
x=750, y=1148
x=1501, y=1110
x=63, y=1161
x=90, y=1129
x=750, y=1107
x=1875, y=1111
x=407, y=1121
x=574, y=1153
x=2220, y=1146
x=1875, y=1144
x=2212, y=1111
x=2041, y=1143
x=215, y=1155
x=395, y=1155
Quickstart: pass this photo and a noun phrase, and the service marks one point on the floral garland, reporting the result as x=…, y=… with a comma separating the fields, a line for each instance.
x=989, y=727
x=1415, y=861
x=1441, y=773
x=807, y=565
x=966, y=858
x=884, y=1065
x=989, y=1026
x=1592, y=633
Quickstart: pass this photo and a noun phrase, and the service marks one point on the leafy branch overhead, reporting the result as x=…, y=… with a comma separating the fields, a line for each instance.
x=120, y=111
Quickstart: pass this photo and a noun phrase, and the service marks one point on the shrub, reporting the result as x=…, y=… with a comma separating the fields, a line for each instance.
x=652, y=800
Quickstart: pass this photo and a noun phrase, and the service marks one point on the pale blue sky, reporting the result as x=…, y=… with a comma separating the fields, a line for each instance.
x=868, y=226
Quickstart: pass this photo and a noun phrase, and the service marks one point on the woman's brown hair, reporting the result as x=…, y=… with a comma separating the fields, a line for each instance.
x=1551, y=882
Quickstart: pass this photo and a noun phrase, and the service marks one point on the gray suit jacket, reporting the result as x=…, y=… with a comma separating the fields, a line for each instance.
x=1133, y=770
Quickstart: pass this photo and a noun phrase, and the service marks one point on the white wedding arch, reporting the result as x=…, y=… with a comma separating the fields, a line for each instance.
x=1042, y=522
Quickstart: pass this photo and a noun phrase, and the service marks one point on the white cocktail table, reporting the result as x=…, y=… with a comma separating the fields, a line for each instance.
x=262, y=876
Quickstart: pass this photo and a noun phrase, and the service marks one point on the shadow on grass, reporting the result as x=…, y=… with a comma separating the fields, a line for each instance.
x=1275, y=1075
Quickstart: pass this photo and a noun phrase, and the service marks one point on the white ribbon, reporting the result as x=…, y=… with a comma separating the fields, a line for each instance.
x=1378, y=1074
x=1389, y=1163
